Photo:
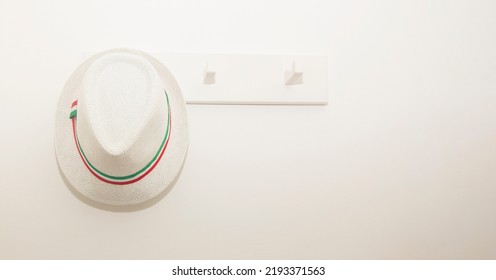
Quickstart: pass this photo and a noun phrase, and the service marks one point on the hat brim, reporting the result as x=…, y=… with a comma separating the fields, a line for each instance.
x=150, y=186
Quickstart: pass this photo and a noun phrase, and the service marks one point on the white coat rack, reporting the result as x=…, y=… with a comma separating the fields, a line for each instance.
x=249, y=79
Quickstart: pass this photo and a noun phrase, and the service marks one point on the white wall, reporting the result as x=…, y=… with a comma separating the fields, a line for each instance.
x=400, y=164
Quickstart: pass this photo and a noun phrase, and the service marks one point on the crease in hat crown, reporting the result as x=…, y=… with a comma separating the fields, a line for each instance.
x=122, y=113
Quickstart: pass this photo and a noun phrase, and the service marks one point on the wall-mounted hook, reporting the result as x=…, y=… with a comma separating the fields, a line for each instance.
x=294, y=76
x=208, y=75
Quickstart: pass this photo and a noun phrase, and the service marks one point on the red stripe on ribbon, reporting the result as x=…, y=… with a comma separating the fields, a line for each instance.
x=124, y=182
x=74, y=103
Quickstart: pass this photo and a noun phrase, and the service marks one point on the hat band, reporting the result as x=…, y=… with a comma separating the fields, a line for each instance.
x=128, y=179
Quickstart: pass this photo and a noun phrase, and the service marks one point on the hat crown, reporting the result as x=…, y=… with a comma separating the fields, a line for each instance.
x=122, y=113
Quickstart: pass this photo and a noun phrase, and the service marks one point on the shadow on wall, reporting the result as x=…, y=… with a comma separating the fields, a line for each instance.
x=120, y=208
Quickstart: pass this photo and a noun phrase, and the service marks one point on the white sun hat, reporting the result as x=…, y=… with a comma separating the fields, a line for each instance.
x=121, y=131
